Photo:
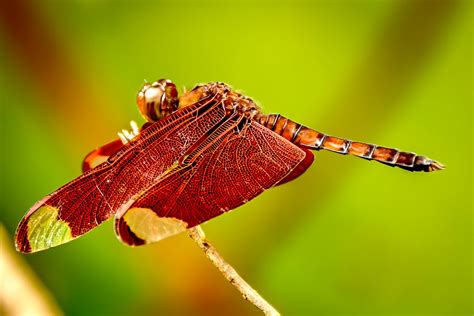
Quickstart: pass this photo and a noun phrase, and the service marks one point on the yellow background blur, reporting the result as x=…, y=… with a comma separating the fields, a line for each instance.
x=348, y=237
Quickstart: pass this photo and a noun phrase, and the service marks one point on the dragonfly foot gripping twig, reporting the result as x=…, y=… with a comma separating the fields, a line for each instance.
x=197, y=234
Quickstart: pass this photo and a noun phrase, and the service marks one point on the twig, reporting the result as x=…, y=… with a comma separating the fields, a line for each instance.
x=197, y=234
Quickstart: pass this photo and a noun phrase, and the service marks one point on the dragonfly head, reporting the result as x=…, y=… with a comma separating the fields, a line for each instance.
x=157, y=100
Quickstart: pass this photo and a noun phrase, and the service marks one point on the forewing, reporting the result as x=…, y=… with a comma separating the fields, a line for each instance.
x=90, y=199
x=66, y=213
x=100, y=155
x=232, y=170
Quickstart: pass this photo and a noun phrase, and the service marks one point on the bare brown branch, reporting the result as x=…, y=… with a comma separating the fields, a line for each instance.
x=197, y=234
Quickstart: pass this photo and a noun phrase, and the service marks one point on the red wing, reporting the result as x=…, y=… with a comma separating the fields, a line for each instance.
x=232, y=170
x=101, y=154
x=62, y=215
x=300, y=168
x=85, y=202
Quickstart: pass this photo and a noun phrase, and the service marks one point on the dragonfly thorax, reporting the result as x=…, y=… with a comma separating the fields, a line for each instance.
x=242, y=105
x=234, y=102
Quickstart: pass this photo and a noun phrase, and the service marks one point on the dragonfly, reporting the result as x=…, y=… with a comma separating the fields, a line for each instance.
x=199, y=155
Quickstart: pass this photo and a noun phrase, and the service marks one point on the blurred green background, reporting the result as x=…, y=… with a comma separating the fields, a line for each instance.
x=349, y=237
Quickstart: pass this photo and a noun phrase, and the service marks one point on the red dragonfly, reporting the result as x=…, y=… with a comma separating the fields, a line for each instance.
x=198, y=156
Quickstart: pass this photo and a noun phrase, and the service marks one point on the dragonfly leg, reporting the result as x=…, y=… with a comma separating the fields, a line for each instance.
x=126, y=136
x=101, y=154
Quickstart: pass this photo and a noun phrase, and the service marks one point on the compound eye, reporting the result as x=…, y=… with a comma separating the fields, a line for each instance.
x=157, y=100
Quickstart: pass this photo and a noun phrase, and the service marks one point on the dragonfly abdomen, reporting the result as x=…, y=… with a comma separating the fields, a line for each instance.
x=306, y=137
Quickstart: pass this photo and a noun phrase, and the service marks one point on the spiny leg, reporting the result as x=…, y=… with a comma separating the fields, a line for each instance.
x=126, y=136
x=308, y=138
x=101, y=154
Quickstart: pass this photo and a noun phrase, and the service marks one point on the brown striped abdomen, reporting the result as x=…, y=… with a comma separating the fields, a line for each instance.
x=306, y=137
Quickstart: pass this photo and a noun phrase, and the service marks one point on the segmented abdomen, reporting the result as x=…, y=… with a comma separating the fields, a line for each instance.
x=308, y=138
